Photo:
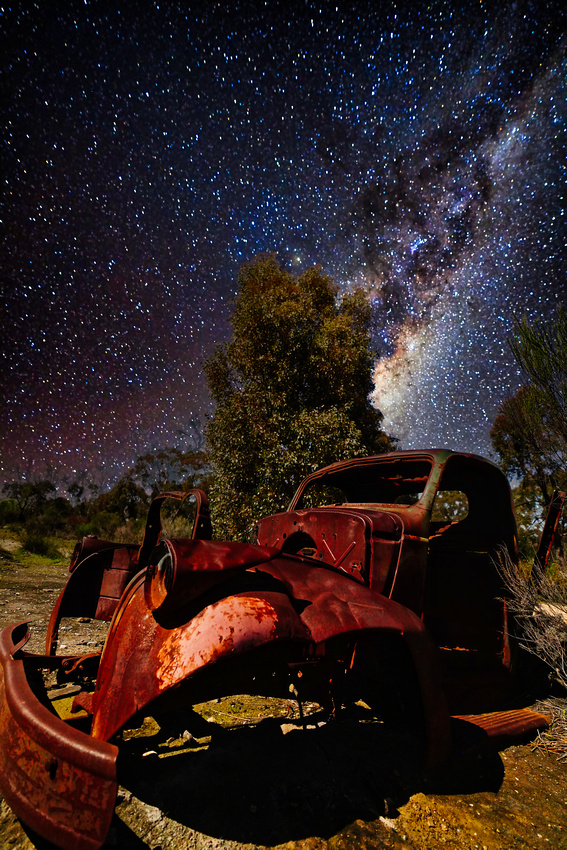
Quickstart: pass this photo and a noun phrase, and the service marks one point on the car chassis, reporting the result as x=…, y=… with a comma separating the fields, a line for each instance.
x=381, y=579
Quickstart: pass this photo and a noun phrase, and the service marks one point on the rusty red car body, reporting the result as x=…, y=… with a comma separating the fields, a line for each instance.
x=381, y=576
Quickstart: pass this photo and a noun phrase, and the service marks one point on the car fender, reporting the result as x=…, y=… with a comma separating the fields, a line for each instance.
x=144, y=659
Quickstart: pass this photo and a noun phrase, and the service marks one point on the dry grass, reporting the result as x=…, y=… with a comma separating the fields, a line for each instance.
x=540, y=611
x=554, y=739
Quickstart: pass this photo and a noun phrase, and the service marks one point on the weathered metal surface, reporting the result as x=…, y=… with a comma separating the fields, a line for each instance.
x=202, y=529
x=346, y=539
x=144, y=659
x=100, y=572
x=360, y=612
x=498, y=729
x=361, y=567
x=548, y=535
x=58, y=780
x=180, y=571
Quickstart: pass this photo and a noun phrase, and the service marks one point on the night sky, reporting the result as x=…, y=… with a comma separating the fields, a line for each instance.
x=148, y=149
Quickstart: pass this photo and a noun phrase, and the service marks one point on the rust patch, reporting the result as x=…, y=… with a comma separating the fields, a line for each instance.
x=232, y=624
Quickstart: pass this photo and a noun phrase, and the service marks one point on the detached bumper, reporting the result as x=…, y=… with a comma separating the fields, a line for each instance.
x=58, y=780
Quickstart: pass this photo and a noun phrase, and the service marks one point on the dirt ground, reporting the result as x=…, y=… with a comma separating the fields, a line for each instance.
x=224, y=779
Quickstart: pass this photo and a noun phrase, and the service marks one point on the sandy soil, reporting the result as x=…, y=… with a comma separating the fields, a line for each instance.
x=226, y=779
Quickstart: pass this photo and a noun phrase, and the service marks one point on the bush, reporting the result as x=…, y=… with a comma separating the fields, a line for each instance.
x=86, y=529
x=38, y=544
x=110, y=526
x=103, y=524
x=8, y=512
x=56, y=514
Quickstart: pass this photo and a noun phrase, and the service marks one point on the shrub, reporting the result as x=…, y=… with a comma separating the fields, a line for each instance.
x=8, y=512
x=104, y=524
x=38, y=544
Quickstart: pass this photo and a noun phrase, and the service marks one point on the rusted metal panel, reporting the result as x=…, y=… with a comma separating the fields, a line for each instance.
x=202, y=529
x=101, y=570
x=98, y=570
x=144, y=659
x=548, y=535
x=334, y=611
x=341, y=540
x=58, y=780
x=499, y=729
x=180, y=571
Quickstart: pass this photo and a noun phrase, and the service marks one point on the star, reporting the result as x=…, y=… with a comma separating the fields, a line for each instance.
x=149, y=149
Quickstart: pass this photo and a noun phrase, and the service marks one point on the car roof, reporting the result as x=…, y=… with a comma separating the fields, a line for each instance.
x=436, y=456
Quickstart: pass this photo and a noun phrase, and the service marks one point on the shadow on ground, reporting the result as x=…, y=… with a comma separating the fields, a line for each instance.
x=257, y=785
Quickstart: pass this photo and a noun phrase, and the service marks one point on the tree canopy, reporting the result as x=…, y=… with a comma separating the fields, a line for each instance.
x=291, y=391
x=541, y=351
x=526, y=442
x=29, y=496
x=529, y=433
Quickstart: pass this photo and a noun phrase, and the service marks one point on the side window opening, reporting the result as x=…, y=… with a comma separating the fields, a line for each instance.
x=450, y=506
x=410, y=498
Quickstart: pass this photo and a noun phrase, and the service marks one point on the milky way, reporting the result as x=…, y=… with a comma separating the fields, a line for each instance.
x=149, y=149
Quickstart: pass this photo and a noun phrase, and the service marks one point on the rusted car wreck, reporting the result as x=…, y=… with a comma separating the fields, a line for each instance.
x=381, y=576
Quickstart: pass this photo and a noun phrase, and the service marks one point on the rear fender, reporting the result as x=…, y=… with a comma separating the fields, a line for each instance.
x=386, y=617
x=95, y=585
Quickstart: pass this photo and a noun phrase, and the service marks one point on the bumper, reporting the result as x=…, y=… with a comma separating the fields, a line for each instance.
x=58, y=780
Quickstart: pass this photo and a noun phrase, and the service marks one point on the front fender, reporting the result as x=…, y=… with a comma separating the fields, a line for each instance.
x=144, y=659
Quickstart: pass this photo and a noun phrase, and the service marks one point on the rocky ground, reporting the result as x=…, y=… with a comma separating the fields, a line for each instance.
x=244, y=773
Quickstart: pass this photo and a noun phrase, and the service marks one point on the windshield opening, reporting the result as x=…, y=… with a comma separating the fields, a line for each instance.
x=399, y=482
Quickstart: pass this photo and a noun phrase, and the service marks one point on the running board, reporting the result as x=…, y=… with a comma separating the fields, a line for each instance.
x=496, y=730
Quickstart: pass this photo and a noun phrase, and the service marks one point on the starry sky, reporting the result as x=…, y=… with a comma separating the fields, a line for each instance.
x=416, y=150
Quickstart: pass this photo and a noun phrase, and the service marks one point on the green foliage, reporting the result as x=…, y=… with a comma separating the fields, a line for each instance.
x=56, y=514
x=541, y=351
x=110, y=526
x=9, y=512
x=103, y=524
x=291, y=391
x=34, y=509
x=450, y=506
x=529, y=433
x=86, y=529
x=527, y=442
x=126, y=500
x=529, y=515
